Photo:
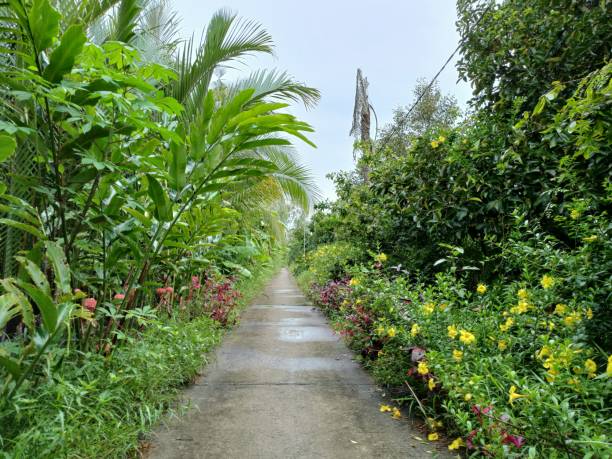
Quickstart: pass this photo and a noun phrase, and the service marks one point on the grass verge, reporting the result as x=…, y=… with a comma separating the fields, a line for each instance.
x=93, y=406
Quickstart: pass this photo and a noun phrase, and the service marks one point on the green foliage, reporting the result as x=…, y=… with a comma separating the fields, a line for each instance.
x=123, y=178
x=100, y=407
x=497, y=227
x=519, y=47
x=461, y=351
x=330, y=261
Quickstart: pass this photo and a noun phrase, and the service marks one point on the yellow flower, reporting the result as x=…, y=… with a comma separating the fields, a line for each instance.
x=422, y=368
x=523, y=294
x=592, y=238
x=544, y=352
x=452, y=331
x=456, y=444
x=589, y=313
x=513, y=395
x=547, y=281
x=507, y=325
x=435, y=144
x=466, y=337
x=391, y=332
x=572, y=319
x=609, y=367
x=520, y=308
x=381, y=257
x=457, y=355
x=431, y=384
x=396, y=413
x=415, y=330
x=433, y=424
x=467, y=397
x=428, y=308
x=385, y=408
x=560, y=309
x=502, y=345
x=433, y=436
x=591, y=367
x=575, y=214
x=354, y=282
x=482, y=288
x=441, y=139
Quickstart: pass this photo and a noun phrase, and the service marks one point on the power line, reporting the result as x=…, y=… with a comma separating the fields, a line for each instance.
x=433, y=80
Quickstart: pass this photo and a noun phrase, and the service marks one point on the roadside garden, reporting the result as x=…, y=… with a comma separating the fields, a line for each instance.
x=142, y=201
x=468, y=259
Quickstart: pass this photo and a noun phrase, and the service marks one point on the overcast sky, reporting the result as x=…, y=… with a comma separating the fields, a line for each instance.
x=322, y=43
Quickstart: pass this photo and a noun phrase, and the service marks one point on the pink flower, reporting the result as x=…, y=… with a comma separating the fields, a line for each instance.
x=160, y=291
x=195, y=282
x=169, y=290
x=90, y=304
x=119, y=296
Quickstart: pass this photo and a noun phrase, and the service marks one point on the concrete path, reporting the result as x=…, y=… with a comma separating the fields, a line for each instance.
x=283, y=385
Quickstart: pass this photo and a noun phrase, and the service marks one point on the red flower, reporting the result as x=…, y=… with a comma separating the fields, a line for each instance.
x=468, y=441
x=90, y=304
x=119, y=296
x=516, y=440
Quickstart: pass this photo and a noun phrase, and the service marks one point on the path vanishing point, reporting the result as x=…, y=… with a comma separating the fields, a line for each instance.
x=283, y=385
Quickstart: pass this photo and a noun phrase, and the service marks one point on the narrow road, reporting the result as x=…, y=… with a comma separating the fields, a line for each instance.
x=283, y=385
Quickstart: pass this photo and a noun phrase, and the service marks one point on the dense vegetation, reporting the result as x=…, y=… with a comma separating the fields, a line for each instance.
x=472, y=264
x=140, y=199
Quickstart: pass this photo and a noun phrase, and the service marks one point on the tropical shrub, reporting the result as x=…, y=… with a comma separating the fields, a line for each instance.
x=506, y=367
x=490, y=316
x=134, y=190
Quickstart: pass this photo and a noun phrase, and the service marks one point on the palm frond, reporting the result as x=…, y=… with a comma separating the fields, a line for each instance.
x=226, y=39
x=125, y=20
x=85, y=12
x=277, y=85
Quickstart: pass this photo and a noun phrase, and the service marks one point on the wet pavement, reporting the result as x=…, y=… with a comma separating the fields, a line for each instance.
x=283, y=385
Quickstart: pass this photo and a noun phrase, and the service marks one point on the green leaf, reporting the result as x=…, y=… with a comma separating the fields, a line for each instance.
x=160, y=198
x=257, y=110
x=60, y=267
x=7, y=147
x=24, y=227
x=37, y=276
x=178, y=165
x=63, y=57
x=9, y=308
x=251, y=145
x=12, y=366
x=44, y=24
x=226, y=112
x=27, y=314
x=142, y=218
x=45, y=304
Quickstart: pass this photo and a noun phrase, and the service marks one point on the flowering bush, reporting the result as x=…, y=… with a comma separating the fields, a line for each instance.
x=505, y=367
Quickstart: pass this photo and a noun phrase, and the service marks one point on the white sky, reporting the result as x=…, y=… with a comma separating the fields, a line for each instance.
x=322, y=43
